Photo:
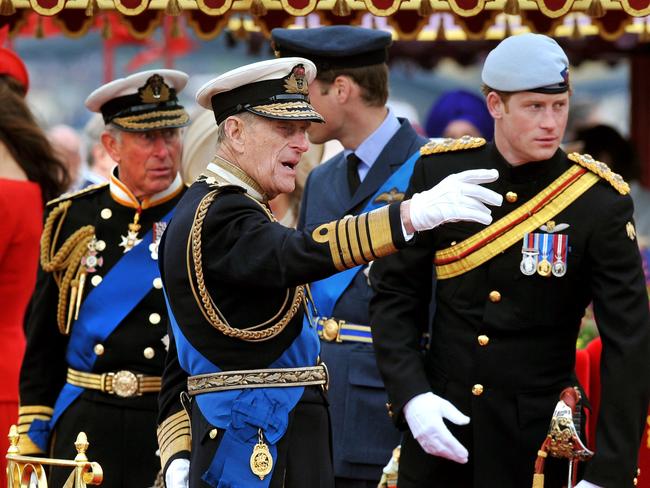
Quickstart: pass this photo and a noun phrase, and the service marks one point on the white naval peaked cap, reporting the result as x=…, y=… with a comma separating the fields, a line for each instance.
x=527, y=62
x=276, y=88
x=142, y=101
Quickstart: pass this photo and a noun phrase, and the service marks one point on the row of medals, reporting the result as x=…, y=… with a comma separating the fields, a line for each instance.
x=529, y=264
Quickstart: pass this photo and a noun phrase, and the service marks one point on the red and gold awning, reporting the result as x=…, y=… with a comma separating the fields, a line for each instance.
x=408, y=19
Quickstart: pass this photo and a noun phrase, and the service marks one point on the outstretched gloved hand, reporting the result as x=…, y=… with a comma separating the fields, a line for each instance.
x=178, y=473
x=424, y=414
x=458, y=197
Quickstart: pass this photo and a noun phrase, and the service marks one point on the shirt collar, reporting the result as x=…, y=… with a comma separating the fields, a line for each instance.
x=226, y=172
x=370, y=149
x=122, y=195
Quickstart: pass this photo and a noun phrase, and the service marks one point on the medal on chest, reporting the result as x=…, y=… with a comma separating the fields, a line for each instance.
x=130, y=240
x=545, y=253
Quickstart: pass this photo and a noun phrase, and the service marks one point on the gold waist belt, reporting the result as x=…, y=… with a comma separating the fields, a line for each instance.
x=123, y=383
x=258, y=378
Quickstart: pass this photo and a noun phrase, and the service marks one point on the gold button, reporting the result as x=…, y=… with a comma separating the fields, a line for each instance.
x=483, y=340
x=635, y=481
x=154, y=318
x=477, y=389
x=511, y=197
x=101, y=245
x=213, y=434
x=149, y=352
x=96, y=280
x=453, y=243
x=157, y=283
x=99, y=349
x=106, y=213
x=389, y=407
x=495, y=296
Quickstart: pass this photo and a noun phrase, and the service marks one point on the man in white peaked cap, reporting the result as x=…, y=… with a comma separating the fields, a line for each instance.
x=244, y=362
x=96, y=327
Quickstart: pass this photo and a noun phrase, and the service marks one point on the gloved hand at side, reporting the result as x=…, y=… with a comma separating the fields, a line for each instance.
x=459, y=197
x=424, y=414
x=178, y=473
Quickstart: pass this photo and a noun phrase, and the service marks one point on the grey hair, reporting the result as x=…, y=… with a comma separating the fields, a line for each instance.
x=248, y=118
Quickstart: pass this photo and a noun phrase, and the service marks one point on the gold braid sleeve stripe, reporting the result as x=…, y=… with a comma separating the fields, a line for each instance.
x=26, y=415
x=514, y=234
x=174, y=436
x=357, y=240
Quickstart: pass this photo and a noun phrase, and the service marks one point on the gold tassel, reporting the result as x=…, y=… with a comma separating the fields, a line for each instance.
x=258, y=9
x=71, y=309
x=39, y=28
x=91, y=8
x=511, y=7
x=596, y=9
x=7, y=7
x=80, y=293
x=175, y=31
x=440, y=33
x=508, y=31
x=341, y=8
x=173, y=8
x=425, y=9
x=106, y=29
x=575, y=33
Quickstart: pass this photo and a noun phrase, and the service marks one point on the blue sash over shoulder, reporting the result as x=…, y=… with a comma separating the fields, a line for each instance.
x=326, y=292
x=122, y=288
x=242, y=412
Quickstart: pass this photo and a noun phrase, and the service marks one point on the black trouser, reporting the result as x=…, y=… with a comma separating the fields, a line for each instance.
x=122, y=440
x=304, y=457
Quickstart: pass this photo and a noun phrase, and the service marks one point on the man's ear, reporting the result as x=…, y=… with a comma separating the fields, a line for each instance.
x=495, y=105
x=343, y=87
x=112, y=145
x=235, y=132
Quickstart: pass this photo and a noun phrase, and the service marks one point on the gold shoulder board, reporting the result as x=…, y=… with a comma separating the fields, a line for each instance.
x=75, y=194
x=435, y=146
x=602, y=170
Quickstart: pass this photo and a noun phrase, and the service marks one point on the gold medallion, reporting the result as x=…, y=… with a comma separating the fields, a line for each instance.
x=544, y=268
x=261, y=460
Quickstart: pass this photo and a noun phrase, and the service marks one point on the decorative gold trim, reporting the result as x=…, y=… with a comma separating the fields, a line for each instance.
x=383, y=12
x=75, y=194
x=174, y=436
x=299, y=12
x=227, y=5
x=239, y=173
x=457, y=9
x=449, y=145
x=132, y=121
x=123, y=383
x=553, y=14
x=602, y=170
x=514, y=234
x=204, y=300
x=35, y=409
x=327, y=233
x=380, y=232
x=123, y=9
x=284, y=110
x=257, y=378
x=47, y=11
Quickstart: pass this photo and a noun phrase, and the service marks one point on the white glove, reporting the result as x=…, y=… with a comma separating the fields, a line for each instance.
x=424, y=414
x=458, y=197
x=178, y=473
x=586, y=484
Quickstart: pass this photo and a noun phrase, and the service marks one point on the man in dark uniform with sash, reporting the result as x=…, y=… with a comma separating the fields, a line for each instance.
x=510, y=298
x=96, y=334
x=373, y=170
x=244, y=363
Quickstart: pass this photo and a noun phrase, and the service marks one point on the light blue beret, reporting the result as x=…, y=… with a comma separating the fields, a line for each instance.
x=527, y=62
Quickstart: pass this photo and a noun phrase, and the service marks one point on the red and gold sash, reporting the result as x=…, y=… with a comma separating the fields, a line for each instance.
x=484, y=245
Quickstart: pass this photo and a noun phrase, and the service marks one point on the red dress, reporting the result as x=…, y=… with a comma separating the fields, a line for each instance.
x=21, y=215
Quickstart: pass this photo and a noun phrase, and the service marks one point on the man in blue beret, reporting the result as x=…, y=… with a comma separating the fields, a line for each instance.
x=350, y=91
x=510, y=298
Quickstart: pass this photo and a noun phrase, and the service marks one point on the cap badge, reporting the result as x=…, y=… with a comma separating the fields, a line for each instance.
x=565, y=75
x=296, y=82
x=155, y=90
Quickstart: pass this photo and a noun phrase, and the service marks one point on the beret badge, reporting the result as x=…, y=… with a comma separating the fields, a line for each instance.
x=297, y=82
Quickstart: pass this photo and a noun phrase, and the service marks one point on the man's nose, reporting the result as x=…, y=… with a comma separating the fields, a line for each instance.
x=301, y=142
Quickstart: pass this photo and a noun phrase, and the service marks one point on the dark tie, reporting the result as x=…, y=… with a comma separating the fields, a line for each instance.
x=353, y=172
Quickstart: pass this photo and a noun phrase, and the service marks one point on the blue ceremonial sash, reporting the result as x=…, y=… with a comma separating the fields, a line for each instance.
x=242, y=412
x=104, y=308
x=326, y=292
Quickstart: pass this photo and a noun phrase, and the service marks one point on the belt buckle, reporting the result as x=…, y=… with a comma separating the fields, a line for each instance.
x=332, y=330
x=125, y=384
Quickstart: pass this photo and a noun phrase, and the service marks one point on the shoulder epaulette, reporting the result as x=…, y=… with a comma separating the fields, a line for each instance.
x=75, y=194
x=602, y=170
x=436, y=146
